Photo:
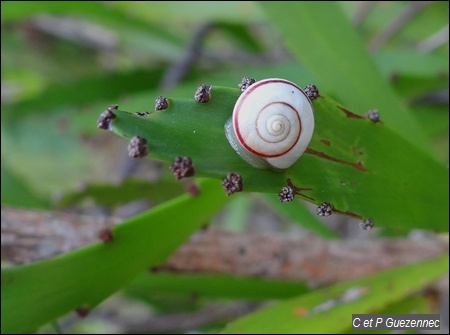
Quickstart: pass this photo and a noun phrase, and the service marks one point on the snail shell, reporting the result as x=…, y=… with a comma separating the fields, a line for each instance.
x=272, y=124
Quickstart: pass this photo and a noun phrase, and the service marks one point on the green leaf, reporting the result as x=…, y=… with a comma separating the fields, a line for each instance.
x=238, y=212
x=433, y=118
x=241, y=36
x=130, y=190
x=36, y=145
x=414, y=87
x=415, y=304
x=16, y=193
x=431, y=19
x=87, y=89
x=217, y=286
x=193, y=11
x=133, y=31
x=301, y=215
x=322, y=38
x=38, y=293
x=22, y=10
x=412, y=63
x=330, y=310
x=362, y=168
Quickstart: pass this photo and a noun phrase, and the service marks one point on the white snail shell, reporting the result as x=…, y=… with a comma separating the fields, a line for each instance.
x=272, y=124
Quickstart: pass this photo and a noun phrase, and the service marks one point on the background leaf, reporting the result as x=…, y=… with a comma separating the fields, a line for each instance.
x=341, y=66
x=217, y=286
x=63, y=283
x=367, y=295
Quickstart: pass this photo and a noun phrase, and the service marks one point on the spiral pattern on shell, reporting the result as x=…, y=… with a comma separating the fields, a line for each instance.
x=275, y=131
x=273, y=120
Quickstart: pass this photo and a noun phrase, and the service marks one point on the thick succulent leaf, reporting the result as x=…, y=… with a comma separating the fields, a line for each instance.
x=330, y=310
x=362, y=168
